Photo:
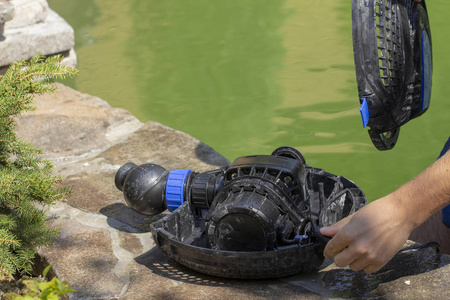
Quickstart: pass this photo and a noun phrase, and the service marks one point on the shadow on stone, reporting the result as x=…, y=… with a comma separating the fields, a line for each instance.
x=161, y=265
x=157, y=261
x=124, y=218
x=2, y=30
x=345, y=283
x=207, y=155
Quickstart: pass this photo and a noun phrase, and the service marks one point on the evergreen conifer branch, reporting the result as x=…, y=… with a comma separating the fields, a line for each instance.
x=27, y=184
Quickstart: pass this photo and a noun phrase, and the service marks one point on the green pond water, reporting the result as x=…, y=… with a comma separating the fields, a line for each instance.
x=246, y=77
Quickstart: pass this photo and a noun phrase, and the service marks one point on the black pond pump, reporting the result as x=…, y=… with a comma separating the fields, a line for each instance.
x=257, y=218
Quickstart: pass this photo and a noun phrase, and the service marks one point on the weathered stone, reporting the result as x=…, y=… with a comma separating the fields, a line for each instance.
x=89, y=125
x=155, y=143
x=86, y=253
x=28, y=12
x=415, y=273
x=69, y=58
x=50, y=37
x=7, y=11
x=105, y=249
x=99, y=139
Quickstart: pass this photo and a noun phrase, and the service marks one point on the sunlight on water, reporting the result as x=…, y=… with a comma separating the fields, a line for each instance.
x=248, y=76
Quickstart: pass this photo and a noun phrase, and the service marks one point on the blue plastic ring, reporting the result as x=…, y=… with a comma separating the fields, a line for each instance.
x=175, y=188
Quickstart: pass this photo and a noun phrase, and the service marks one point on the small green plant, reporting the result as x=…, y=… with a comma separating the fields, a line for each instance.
x=47, y=290
x=27, y=184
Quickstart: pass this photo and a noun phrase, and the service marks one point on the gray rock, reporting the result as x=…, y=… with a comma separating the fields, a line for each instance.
x=105, y=249
x=50, y=37
x=7, y=11
x=70, y=58
x=28, y=12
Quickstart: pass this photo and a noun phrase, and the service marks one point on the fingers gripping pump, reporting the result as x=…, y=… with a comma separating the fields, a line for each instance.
x=393, y=62
x=257, y=218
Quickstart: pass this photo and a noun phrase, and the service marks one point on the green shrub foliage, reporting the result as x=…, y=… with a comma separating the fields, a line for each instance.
x=27, y=185
x=45, y=290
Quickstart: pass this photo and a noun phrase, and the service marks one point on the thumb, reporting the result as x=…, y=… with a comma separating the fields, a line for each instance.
x=333, y=229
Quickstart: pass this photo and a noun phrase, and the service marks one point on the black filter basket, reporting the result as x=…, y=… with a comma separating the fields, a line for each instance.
x=182, y=235
x=259, y=217
x=393, y=62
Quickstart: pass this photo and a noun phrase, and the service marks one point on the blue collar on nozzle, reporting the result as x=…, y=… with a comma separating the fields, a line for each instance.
x=175, y=188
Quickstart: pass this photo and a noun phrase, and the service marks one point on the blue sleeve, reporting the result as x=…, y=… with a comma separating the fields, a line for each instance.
x=446, y=147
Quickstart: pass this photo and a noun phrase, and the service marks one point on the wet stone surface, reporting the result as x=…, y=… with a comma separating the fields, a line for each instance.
x=105, y=249
x=416, y=272
x=409, y=262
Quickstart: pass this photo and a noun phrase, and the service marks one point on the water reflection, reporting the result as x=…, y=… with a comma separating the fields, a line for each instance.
x=333, y=116
x=84, y=16
x=206, y=65
x=248, y=76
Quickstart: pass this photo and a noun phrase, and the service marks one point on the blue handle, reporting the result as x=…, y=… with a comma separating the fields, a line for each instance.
x=364, y=110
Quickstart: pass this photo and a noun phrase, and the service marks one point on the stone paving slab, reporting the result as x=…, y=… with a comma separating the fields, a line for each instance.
x=105, y=249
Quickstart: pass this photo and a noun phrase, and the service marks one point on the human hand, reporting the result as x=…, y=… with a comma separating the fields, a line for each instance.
x=369, y=238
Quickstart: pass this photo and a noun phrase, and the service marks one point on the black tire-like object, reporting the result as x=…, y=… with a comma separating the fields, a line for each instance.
x=393, y=62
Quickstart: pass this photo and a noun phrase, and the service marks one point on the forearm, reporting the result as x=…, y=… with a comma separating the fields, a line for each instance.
x=424, y=195
x=370, y=237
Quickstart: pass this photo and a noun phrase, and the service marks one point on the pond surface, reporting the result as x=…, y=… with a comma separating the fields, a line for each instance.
x=246, y=77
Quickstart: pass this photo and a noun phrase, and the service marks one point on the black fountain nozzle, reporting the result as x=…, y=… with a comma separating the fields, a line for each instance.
x=143, y=187
x=150, y=189
x=263, y=212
